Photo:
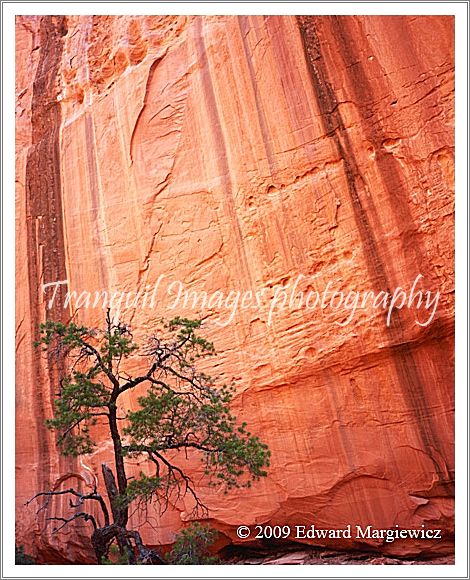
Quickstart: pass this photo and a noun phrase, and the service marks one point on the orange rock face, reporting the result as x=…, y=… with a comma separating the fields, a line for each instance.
x=235, y=154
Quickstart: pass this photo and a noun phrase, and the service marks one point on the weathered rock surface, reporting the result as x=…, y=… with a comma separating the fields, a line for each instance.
x=235, y=153
x=318, y=556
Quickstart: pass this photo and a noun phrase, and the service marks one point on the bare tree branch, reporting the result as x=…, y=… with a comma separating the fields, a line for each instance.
x=92, y=351
x=81, y=497
x=84, y=515
x=134, y=382
x=188, y=483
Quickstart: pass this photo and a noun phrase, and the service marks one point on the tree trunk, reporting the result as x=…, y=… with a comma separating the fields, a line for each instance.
x=120, y=469
x=118, y=529
x=113, y=494
x=102, y=537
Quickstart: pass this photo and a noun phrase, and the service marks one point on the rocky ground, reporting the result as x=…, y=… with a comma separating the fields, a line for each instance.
x=322, y=556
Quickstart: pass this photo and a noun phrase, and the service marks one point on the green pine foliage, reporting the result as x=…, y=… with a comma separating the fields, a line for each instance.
x=23, y=559
x=115, y=558
x=181, y=409
x=192, y=545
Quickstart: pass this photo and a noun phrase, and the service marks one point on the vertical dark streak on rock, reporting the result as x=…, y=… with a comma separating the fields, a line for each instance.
x=385, y=161
x=406, y=368
x=335, y=128
x=221, y=152
x=45, y=236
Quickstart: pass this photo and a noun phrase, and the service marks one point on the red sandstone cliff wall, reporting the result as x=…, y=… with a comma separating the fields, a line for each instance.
x=236, y=153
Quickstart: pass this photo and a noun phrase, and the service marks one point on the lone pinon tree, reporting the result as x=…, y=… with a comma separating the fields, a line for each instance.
x=180, y=409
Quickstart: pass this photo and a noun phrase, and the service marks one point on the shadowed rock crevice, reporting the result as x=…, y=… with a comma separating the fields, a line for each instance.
x=46, y=253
